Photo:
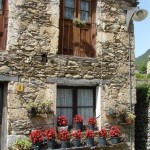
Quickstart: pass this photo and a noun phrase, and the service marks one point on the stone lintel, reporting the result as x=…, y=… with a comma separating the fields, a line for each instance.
x=8, y=78
x=76, y=82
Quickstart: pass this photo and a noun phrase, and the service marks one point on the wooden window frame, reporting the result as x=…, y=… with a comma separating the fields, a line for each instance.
x=3, y=24
x=75, y=100
x=71, y=39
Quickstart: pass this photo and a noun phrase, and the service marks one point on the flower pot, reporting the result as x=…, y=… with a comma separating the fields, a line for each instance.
x=62, y=128
x=37, y=146
x=76, y=142
x=64, y=144
x=78, y=125
x=91, y=127
x=90, y=142
x=114, y=140
x=51, y=144
x=102, y=141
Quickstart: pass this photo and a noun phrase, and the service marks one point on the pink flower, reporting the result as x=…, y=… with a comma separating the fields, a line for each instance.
x=102, y=133
x=62, y=120
x=50, y=134
x=114, y=131
x=91, y=121
x=89, y=133
x=36, y=136
x=76, y=134
x=78, y=118
x=64, y=135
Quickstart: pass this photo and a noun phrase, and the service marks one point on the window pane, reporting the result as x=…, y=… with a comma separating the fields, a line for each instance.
x=66, y=112
x=0, y=4
x=85, y=97
x=64, y=97
x=69, y=3
x=85, y=113
x=84, y=15
x=69, y=13
x=84, y=5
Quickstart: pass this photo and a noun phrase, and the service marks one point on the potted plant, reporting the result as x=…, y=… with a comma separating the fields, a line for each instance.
x=22, y=144
x=64, y=137
x=36, y=139
x=111, y=112
x=114, y=133
x=91, y=123
x=89, y=137
x=102, y=137
x=39, y=108
x=79, y=23
x=129, y=117
x=76, y=135
x=78, y=122
x=50, y=136
x=62, y=122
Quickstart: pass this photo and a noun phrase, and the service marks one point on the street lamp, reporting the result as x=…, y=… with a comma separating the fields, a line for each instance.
x=137, y=15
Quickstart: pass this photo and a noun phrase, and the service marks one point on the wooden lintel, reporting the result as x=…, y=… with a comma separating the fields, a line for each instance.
x=77, y=82
x=8, y=78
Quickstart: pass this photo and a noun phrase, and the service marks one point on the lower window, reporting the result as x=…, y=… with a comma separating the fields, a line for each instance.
x=76, y=100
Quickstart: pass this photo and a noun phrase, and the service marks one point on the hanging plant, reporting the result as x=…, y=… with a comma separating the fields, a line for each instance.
x=79, y=23
x=38, y=108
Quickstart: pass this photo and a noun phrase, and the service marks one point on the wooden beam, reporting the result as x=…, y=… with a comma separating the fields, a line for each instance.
x=8, y=78
x=76, y=82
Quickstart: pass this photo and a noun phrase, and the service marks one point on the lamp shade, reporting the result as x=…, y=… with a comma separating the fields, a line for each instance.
x=140, y=15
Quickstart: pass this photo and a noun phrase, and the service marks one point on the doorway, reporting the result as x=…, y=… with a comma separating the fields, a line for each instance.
x=3, y=115
x=1, y=108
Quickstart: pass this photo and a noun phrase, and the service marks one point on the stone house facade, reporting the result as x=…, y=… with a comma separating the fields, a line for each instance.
x=44, y=56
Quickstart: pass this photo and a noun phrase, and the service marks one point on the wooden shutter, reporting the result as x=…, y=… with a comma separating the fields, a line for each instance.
x=3, y=25
x=74, y=40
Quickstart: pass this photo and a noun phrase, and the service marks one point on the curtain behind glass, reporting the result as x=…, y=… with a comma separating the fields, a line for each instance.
x=64, y=99
x=85, y=98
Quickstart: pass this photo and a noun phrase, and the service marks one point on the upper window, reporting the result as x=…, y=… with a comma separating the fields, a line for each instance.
x=75, y=100
x=3, y=23
x=77, y=40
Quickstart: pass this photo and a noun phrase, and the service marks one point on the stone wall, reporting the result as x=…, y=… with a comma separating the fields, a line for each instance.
x=33, y=29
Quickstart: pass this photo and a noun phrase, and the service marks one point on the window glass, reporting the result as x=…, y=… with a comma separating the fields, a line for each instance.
x=0, y=4
x=64, y=97
x=69, y=13
x=72, y=100
x=84, y=5
x=84, y=16
x=85, y=97
x=69, y=9
x=69, y=3
x=84, y=10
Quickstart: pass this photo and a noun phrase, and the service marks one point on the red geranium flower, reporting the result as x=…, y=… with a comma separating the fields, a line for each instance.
x=78, y=118
x=114, y=131
x=76, y=134
x=50, y=134
x=62, y=120
x=91, y=121
x=89, y=133
x=36, y=136
x=64, y=135
x=102, y=133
